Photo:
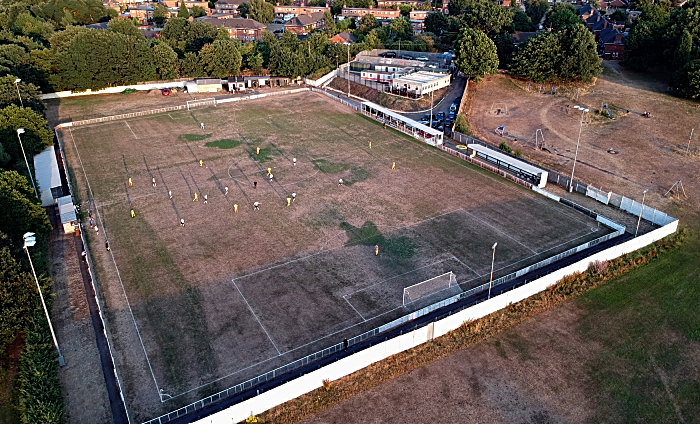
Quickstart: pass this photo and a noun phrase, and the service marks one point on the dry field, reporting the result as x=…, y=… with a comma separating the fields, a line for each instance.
x=192, y=310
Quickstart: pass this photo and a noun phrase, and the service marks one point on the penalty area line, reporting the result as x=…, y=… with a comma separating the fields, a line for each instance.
x=256, y=317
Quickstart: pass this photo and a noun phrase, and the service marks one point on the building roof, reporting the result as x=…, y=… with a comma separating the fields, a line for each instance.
x=507, y=159
x=421, y=77
x=230, y=2
x=101, y=25
x=46, y=170
x=346, y=37
x=236, y=23
x=66, y=209
x=304, y=20
x=207, y=81
x=522, y=36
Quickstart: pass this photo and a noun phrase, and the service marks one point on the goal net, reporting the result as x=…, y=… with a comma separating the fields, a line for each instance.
x=428, y=287
x=201, y=103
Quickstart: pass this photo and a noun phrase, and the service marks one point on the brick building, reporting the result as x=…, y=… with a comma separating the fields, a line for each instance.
x=239, y=28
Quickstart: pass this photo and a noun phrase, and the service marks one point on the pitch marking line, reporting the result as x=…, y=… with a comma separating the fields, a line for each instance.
x=133, y=318
x=132, y=131
x=498, y=230
x=358, y=312
x=256, y=317
x=468, y=267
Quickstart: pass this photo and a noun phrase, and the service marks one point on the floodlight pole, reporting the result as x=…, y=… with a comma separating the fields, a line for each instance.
x=493, y=258
x=21, y=131
x=640, y=212
x=31, y=239
x=348, y=71
x=571, y=182
x=689, y=138
x=431, y=110
x=19, y=95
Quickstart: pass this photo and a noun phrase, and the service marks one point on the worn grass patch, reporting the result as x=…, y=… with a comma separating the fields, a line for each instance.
x=194, y=137
x=368, y=235
x=225, y=143
x=264, y=155
x=357, y=175
x=330, y=167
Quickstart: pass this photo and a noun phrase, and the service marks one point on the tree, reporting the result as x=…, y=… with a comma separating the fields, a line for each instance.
x=65, y=13
x=18, y=297
x=457, y=7
x=160, y=14
x=643, y=46
x=21, y=212
x=401, y=28
x=580, y=61
x=330, y=23
x=538, y=58
x=36, y=137
x=619, y=15
x=536, y=9
x=682, y=55
x=255, y=63
x=125, y=26
x=504, y=47
x=487, y=16
x=435, y=23
x=261, y=11
x=30, y=94
x=461, y=124
x=220, y=59
x=476, y=54
x=562, y=19
x=522, y=22
x=244, y=10
x=686, y=81
x=426, y=5
x=183, y=13
x=165, y=61
x=198, y=11
x=367, y=23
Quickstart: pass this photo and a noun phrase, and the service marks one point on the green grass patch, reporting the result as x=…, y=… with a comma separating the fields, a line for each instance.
x=263, y=156
x=225, y=143
x=645, y=321
x=330, y=167
x=194, y=137
x=368, y=235
x=357, y=175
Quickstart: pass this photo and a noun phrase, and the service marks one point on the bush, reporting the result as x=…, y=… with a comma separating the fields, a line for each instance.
x=461, y=125
x=505, y=147
x=130, y=91
x=40, y=399
x=518, y=153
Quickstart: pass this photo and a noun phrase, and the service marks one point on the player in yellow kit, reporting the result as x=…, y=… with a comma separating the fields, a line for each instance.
x=196, y=198
x=289, y=201
x=131, y=183
x=133, y=214
x=235, y=207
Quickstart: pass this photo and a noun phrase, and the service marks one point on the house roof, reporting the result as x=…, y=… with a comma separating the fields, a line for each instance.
x=609, y=37
x=66, y=209
x=235, y=23
x=230, y=2
x=346, y=37
x=304, y=20
x=522, y=36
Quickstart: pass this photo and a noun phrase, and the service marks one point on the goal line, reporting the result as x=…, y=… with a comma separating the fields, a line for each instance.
x=201, y=103
x=428, y=287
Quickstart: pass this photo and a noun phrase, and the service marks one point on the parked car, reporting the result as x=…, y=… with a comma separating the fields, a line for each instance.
x=387, y=54
x=448, y=123
x=453, y=107
x=435, y=124
x=278, y=31
x=440, y=116
x=452, y=114
x=423, y=58
x=441, y=128
x=406, y=56
x=431, y=66
x=166, y=91
x=425, y=119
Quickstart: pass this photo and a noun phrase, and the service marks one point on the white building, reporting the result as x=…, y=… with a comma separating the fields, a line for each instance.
x=421, y=83
x=66, y=210
x=47, y=177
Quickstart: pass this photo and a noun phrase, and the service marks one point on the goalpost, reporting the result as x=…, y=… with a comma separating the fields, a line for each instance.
x=427, y=287
x=499, y=108
x=201, y=103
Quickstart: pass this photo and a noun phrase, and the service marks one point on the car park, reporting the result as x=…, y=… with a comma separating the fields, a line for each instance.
x=440, y=116
x=452, y=115
x=448, y=123
x=431, y=66
x=453, y=107
x=425, y=119
x=441, y=128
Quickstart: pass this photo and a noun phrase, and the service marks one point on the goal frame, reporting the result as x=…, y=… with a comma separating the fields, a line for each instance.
x=500, y=105
x=203, y=102
x=451, y=282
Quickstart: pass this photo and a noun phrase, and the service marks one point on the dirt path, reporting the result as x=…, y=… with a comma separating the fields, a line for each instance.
x=531, y=373
x=82, y=381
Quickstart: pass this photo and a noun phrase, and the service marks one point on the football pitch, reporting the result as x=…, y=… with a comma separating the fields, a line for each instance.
x=232, y=294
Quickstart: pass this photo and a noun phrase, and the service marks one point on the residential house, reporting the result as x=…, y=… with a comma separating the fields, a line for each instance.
x=611, y=44
x=521, y=36
x=227, y=7
x=381, y=14
x=143, y=13
x=188, y=4
x=112, y=4
x=281, y=11
x=344, y=38
x=303, y=24
x=417, y=18
x=444, y=8
x=390, y=3
x=239, y=28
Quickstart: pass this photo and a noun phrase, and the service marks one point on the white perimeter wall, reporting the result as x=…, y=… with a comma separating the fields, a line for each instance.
x=382, y=350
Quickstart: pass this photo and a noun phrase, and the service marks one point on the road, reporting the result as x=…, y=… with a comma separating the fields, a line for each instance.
x=456, y=90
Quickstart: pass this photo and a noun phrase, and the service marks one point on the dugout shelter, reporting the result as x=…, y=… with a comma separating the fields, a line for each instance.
x=401, y=123
x=520, y=169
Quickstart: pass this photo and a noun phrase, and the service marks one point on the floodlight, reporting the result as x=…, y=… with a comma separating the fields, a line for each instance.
x=494, y=245
x=29, y=239
x=17, y=80
x=585, y=110
x=20, y=130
